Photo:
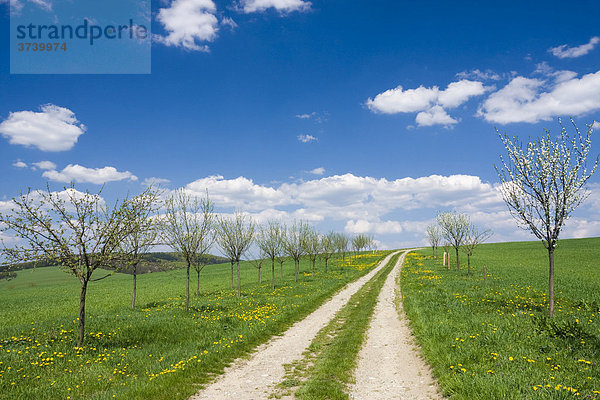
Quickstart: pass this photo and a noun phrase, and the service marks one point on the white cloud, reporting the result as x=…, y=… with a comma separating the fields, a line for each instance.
x=19, y=164
x=430, y=103
x=460, y=92
x=364, y=226
x=189, y=24
x=596, y=125
x=17, y=5
x=488, y=74
x=53, y=129
x=436, y=115
x=398, y=100
x=317, y=171
x=307, y=138
x=154, y=181
x=545, y=69
x=282, y=6
x=80, y=174
x=564, y=51
x=315, y=116
x=524, y=99
x=237, y=193
x=229, y=22
x=45, y=165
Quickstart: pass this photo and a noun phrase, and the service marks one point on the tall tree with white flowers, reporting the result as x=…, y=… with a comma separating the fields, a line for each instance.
x=543, y=182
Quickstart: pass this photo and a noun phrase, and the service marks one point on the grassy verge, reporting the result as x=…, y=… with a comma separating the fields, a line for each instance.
x=491, y=339
x=329, y=363
x=157, y=351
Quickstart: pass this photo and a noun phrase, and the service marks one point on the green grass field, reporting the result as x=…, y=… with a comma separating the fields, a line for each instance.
x=157, y=351
x=492, y=339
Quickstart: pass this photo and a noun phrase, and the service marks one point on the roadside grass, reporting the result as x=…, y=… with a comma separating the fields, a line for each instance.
x=492, y=339
x=158, y=350
x=328, y=364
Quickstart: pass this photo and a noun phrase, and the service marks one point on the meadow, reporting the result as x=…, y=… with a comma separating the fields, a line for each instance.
x=158, y=350
x=492, y=339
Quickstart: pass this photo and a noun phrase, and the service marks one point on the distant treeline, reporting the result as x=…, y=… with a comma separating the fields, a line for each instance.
x=151, y=262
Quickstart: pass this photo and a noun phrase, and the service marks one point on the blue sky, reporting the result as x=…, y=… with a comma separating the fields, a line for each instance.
x=319, y=110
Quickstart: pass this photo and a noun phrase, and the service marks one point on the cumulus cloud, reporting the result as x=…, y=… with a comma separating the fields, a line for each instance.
x=45, y=165
x=80, y=174
x=436, y=115
x=53, y=129
x=596, y=125
x=380, y=227
x=307, y=138
x=19, y=164
x=533, y=100
x=282, y=6
x=317, y=171
x=564, y=51
x=431, y=103
x=360, y=204
x=240, y=192
x=189, y=23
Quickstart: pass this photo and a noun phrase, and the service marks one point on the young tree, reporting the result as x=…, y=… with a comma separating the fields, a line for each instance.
x=235, y=235
x=270, y=242
x=295, y=243
x=434, y=236
x=341, y=244
x=455, y=228
x=187, y=227
x=313, y=247
x=140, y=212
x=257, y=262
x=71, y=229
x=473, y=239
x=361, y=242
x=328, y=248
x=543, y=182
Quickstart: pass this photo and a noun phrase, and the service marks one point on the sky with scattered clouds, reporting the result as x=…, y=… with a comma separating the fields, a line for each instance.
x=361, y=116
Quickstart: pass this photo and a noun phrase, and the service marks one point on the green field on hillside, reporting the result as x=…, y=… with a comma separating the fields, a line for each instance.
x=492, y=339
x=158, y=350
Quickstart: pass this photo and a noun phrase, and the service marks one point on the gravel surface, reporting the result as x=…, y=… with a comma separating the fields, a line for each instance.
x=389, y=366
x=255, y=378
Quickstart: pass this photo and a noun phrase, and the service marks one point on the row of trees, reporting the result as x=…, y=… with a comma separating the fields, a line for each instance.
x=81, y=233
x=456, y=230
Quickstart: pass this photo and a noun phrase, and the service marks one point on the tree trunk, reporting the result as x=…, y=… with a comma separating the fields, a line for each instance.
x=295, y=270
x=231, y=285
x=326, y=262
x=551, y=281
x=239, y=280
x=468, y=264
x=273, y=273
x=198, y=283
x=81, y=334
x=259, y=274
x=313, y=261
x=457, y=260
x=187, y=289
x=134, y=286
